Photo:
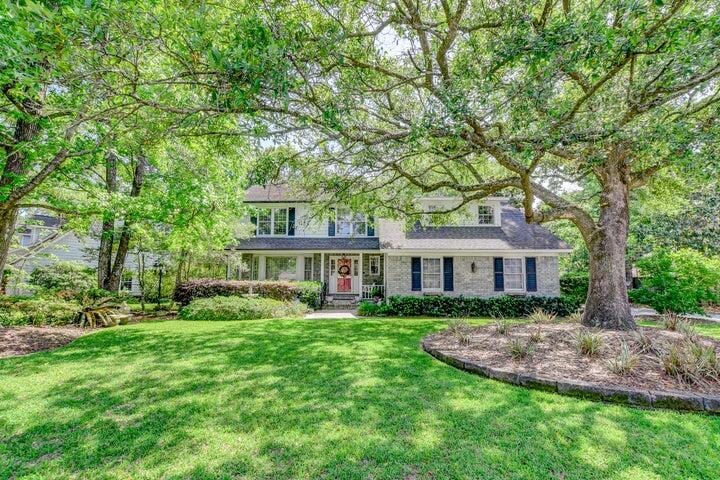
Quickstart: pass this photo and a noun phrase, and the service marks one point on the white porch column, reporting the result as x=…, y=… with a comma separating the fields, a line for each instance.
x=384, y=260
x=361, y=274
x=300, y=268
x=261, y=267
x=322, y=267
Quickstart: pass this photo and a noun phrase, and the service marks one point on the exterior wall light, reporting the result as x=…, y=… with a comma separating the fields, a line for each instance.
x=472, y=267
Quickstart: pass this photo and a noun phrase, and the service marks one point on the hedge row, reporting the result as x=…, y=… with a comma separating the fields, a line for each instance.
x=505, y=305
x=240, y=308
x=306, y=292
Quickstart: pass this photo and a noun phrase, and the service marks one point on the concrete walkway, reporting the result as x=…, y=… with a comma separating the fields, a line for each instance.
x=649, y=312
x=332, y=314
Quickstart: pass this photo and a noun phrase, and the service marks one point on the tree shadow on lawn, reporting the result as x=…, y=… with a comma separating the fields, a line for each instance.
x=314, y=399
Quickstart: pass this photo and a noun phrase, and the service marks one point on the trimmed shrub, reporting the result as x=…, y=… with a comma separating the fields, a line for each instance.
x=368, y=308
x=65, y=279
x=505, y=306
x=309, y=293
x=679, y=282
x=38, y=311
x=240, y=308
x=575, y=285
x=206, y=288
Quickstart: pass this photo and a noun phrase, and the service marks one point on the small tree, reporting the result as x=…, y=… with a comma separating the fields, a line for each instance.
x=67, y=278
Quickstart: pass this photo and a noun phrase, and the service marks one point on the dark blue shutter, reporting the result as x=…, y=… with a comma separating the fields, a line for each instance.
x=253, y=220
x=371, y=226
x=530, y=275
x=448, y=274
x=331, y=223
x=416, y=274
x=291, y=221
x=499, y=277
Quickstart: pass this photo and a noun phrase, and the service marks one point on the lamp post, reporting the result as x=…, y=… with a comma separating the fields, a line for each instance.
x=159, y=267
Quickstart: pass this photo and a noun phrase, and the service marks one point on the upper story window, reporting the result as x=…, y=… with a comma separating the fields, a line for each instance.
x=486, y=215
x=350, y=223
x=272, y=221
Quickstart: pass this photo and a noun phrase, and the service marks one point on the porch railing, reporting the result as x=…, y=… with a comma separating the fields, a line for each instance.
x=370, y=291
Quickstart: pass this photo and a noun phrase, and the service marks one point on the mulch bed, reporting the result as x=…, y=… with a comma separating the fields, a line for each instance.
x=24, y=340
x=556, y=356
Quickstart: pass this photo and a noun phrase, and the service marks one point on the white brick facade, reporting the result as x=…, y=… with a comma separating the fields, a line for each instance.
x=469, y=283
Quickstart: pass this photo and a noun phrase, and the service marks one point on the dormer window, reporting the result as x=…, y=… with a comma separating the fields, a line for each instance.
x=486, y=215
x=350, y=223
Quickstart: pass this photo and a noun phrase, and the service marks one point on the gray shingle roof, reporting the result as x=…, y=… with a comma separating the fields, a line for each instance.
x=272, y=193
x=515, y=233
x=45, y=220
x=309, y=243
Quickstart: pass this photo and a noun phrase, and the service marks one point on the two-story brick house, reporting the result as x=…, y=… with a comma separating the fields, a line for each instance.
x=492, y=251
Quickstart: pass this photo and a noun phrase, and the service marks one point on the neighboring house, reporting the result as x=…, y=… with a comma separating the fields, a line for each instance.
x=42, y=241
x=492, y=252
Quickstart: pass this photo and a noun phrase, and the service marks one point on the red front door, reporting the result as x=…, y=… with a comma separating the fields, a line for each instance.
x=344, y=275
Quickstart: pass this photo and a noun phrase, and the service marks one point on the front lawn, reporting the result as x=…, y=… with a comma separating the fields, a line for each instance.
x=314, y=399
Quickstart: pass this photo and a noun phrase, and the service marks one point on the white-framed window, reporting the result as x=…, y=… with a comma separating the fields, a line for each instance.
x=349, y=223
x=308, y=274
x=486, y=215
x=356, y=269
x=514, y=274
x=272, y=221
x=431, y=274
x=280, y=221
x=127, y=282
x=374, y=264
x=280, y=268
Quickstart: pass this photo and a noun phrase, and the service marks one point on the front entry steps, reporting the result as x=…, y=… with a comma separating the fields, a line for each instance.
x=341, y=300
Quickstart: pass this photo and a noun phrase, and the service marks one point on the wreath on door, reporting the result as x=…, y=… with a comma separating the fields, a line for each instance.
x=344, y=270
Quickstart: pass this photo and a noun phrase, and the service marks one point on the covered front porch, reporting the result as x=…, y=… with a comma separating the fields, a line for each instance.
x=346, y=276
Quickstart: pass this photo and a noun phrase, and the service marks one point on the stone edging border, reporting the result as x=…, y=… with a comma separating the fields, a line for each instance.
x=575, y=388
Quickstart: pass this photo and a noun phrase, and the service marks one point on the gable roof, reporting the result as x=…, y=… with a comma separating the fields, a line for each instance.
x=513, y=234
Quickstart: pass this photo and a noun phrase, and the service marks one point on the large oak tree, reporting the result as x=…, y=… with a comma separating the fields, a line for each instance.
x=391, y=99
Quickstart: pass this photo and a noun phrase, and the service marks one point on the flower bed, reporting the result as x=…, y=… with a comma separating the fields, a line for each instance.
x=647, y=369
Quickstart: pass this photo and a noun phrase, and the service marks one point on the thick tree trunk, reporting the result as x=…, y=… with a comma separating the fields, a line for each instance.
x=115, y=274
x=107, y=233
x=15, y=167
x=8, y=218
x=141, y=278
x=607, y=305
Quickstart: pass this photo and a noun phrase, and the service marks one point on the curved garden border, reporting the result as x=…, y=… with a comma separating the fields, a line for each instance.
x=590, y=391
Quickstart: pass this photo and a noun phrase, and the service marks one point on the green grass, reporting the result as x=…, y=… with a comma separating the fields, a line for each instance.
x=314, y=399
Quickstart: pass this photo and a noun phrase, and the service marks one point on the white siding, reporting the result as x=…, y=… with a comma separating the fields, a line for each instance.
x=307, y=225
